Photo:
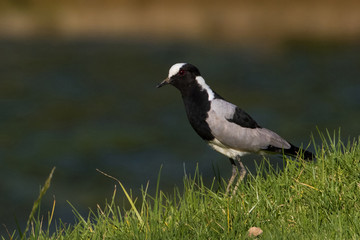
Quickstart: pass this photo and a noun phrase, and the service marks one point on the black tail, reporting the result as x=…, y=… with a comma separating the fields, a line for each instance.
x=295, y=151
x=292, y=151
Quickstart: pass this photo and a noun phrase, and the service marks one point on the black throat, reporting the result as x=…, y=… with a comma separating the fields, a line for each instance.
x=197, y=105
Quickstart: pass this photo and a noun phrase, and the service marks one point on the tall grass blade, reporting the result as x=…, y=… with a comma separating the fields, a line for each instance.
x=37, y=202
x=127, y=196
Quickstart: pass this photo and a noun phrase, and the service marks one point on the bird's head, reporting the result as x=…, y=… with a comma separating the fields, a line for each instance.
x=181, y=76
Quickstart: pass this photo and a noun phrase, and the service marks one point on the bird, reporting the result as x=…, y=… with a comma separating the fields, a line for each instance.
x=224, y=126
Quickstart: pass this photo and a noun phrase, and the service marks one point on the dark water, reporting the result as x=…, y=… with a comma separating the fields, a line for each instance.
x=84, y=105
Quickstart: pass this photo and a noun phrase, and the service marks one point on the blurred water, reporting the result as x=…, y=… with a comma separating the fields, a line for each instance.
x=82, y=105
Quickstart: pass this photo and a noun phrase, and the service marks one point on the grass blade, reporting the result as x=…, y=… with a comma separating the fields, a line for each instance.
x=37, y=202
x=127, y=196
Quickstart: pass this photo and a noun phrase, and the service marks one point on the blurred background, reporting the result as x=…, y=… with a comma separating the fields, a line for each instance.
x=77, y=89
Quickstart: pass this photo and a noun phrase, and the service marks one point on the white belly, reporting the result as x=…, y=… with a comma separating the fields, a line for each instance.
x=229, y=152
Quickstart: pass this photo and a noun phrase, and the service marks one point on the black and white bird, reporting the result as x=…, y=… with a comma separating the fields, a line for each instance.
x=224, y=126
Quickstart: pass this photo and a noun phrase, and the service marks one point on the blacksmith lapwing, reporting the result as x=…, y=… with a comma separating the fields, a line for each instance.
x=224, y=126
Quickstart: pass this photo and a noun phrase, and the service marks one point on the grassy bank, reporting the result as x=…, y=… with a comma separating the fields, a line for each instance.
x=318, y=200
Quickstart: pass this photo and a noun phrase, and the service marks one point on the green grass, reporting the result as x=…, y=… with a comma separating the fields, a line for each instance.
x=318, y=200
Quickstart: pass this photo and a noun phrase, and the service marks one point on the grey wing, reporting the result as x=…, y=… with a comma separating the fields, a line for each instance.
x=237, y=137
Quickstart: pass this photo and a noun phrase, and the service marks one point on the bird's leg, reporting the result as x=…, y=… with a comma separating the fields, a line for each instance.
x=233, y=176
x=242, y=174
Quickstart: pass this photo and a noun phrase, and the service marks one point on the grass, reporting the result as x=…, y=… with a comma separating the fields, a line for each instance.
x=318, y=200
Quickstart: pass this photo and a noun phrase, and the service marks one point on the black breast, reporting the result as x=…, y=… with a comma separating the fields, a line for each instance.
x=197, y=106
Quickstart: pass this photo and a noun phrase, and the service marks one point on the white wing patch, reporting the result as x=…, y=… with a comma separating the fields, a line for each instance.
x=175, y=69
x=202, y=83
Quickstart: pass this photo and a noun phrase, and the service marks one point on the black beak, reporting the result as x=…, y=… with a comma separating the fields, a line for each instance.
x=165, y=82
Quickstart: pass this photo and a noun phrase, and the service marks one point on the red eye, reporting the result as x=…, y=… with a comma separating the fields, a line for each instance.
x=181, y=72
